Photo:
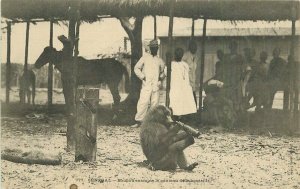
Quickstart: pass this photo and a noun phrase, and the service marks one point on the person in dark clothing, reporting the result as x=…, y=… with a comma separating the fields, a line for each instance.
x=219, y=65
x=276, y=74
x=232, y=74
x=248, y=68
x=259, y=85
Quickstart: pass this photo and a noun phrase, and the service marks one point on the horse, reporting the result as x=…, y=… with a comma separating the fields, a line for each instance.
x=27, y=81
x=90, y=72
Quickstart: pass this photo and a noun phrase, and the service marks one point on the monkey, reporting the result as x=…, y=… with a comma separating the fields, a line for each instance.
x=163, y=141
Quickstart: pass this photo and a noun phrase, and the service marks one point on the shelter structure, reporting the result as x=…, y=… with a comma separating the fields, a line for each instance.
x=92, y=10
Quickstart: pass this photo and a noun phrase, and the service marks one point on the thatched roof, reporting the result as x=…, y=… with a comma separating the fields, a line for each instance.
x=212, y=9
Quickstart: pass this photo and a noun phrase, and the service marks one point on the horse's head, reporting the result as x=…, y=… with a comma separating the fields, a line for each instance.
x=48, y=55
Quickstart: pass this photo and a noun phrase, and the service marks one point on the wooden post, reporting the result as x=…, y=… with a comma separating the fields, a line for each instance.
x=50, y=69
x=8, y=63
x=69, y=76
x=155, y=28
x=26, y=47
x=193, y=28
x=170, y=52
x=22, y=89
x=202, y=66
x=294, y=70
x=76, y=50
x=86, y=130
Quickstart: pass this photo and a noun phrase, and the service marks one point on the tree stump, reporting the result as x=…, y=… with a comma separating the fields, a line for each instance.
x=86, y=124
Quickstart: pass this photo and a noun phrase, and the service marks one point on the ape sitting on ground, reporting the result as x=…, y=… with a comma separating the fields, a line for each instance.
x=163, y=141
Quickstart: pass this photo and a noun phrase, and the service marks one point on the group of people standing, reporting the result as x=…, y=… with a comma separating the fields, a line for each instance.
x=238, y=78
x=152, y=70
x=243, y=78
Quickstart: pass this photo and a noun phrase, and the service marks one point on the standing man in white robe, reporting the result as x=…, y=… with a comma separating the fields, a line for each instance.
x=149, y=69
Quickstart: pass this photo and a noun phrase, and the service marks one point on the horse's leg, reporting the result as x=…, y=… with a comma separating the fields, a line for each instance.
x=33, y=95
x=113, y=87
x=28, y=95
x=116, y=96
x=33, y=90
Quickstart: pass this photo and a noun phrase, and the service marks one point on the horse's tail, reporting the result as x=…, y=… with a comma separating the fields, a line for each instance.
x=127, y=83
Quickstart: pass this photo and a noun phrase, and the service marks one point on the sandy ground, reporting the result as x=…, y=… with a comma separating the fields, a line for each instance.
x=226, y=159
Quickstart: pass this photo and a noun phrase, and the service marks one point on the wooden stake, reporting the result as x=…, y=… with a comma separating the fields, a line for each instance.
x=202, y=66
x=170, y=52
x=8, y=63
x=50, y=69
x=86, y=128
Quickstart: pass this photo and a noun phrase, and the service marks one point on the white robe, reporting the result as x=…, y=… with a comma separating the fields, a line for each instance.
x=181, y=94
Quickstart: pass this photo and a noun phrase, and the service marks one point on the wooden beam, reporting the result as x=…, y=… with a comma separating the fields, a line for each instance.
x=155, y=27
x=8, y=63
x=202, y=66
x=53, y=19
x=36, y=20
x=50, y=69
x=170, y=52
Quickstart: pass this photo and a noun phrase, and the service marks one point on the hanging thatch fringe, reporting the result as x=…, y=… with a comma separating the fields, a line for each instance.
x=213, y=9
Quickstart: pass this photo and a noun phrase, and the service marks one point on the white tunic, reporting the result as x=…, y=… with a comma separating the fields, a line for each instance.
x=150, y=69
x=181, y=94
x=193, y=61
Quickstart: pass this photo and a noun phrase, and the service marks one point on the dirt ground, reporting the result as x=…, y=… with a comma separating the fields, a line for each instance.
x=227, y=159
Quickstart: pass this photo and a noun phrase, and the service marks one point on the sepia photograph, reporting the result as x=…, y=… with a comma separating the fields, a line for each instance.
x=150, y=94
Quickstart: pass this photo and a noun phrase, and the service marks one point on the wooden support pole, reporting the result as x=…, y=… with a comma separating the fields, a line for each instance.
x=77, y=37
x=193, y=28
x=26, y=47
x=169, y=53
x=155, y=28
x=50, y=69
x=292, y=66
x=69, y=76
x=294, y=92
x=8, y=63
x=22, y=89
x=202, y=66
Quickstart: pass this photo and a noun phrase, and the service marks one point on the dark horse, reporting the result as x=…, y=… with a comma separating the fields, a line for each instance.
x=26, y=81
x=90, y=72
